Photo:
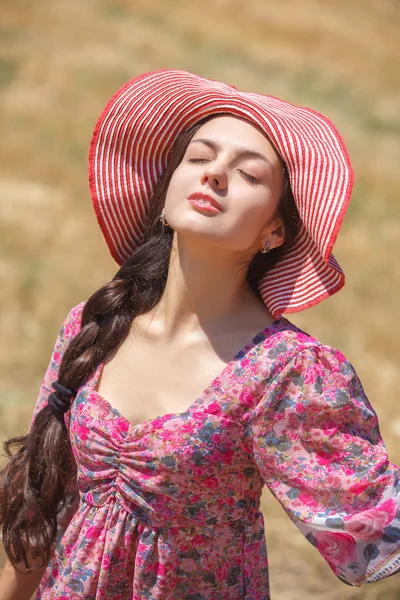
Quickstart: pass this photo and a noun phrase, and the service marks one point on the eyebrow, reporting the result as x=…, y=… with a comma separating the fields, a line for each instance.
x=239, y=152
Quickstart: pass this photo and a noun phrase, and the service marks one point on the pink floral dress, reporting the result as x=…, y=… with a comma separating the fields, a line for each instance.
x=170, y=508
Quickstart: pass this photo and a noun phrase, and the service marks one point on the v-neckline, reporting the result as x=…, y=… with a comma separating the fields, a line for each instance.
x=260, y=337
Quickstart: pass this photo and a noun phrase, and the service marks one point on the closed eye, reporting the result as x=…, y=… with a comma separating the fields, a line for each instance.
x=198, y=160
x=252, y=180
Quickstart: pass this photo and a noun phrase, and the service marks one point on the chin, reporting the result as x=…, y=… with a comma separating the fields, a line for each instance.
x=193, y=223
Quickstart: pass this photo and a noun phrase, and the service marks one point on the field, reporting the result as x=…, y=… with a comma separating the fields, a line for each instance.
x=59, y=64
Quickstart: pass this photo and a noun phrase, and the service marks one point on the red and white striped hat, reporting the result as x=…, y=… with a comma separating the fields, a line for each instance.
x=128, y=154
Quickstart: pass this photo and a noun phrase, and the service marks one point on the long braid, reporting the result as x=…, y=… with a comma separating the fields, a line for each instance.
x=33, y=490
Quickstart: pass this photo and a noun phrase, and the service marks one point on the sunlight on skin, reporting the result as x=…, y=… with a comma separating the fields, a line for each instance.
x=233, y=161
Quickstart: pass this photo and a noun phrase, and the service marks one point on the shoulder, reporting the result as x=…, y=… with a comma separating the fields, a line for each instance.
x=73, y=320
x=319, y=375
x=292, y=350
x=310, y=379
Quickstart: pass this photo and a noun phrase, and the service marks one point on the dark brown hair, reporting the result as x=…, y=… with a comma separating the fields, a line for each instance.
x=41, y=465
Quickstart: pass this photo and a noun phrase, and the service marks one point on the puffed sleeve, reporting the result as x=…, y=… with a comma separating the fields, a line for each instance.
x=315, y=439
x=69, y=329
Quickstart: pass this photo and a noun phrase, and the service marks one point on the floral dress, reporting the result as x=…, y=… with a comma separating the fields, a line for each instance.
x=170, y=508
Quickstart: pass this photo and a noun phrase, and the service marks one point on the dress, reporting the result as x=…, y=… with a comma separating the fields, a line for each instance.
x=170, y=508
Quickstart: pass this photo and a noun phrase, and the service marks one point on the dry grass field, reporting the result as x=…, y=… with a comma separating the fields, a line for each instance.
x=60, y=62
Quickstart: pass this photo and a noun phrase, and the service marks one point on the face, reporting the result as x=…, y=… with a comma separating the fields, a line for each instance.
x=226, y=190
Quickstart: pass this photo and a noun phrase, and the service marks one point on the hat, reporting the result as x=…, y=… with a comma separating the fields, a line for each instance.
x=129, y=150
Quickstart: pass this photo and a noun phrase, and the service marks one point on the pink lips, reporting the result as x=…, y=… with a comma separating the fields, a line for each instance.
x=214, y=206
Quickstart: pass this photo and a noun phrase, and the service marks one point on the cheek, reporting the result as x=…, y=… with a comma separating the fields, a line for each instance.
x=247, y=217
x=253, y=210
x=179, y=187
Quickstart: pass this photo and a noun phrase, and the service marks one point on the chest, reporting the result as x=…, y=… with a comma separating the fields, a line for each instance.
x=143, y=382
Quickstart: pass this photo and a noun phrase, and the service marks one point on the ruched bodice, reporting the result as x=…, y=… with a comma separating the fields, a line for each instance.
x=173, y=471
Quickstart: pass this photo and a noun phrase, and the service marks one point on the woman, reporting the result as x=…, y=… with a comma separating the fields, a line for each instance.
x=141, y=479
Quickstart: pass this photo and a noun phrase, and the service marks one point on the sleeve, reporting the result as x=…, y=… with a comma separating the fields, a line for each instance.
x=316, y=442
x=69, y=329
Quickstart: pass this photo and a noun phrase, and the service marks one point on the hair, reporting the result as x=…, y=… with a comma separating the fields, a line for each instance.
x=41, y=464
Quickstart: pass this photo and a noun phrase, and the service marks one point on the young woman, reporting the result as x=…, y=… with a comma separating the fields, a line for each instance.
x=178, y=389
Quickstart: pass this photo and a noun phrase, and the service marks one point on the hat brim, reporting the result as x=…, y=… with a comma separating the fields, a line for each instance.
x=129, y=151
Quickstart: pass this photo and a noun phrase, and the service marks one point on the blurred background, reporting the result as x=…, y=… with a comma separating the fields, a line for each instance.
x=61, y=61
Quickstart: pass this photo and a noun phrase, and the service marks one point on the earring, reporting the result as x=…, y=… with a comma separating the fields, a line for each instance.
x=162, y=218
x=266, y=248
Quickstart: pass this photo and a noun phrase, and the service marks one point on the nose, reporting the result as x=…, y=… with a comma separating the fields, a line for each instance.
x=215, y=176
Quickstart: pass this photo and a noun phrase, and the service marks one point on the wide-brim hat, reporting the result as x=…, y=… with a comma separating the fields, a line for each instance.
x=129, y=151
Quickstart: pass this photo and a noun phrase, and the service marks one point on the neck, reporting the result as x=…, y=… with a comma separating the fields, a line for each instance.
x=206, y=289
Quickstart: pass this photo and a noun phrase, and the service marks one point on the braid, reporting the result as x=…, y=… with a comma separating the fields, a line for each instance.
x=33, y=491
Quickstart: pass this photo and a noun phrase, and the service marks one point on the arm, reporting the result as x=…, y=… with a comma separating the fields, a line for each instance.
x=16, y=585
x=315, y=439
x=69, y=329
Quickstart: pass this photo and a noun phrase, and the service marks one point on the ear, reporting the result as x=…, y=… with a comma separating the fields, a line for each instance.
x=274, y=234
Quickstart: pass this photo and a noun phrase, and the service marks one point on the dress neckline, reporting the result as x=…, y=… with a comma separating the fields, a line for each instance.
x=259, y=338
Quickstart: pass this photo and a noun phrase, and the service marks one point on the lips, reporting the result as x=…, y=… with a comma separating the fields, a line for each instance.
x=206, y=199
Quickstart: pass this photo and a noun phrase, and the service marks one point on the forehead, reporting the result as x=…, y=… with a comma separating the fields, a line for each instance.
x=235, y=132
